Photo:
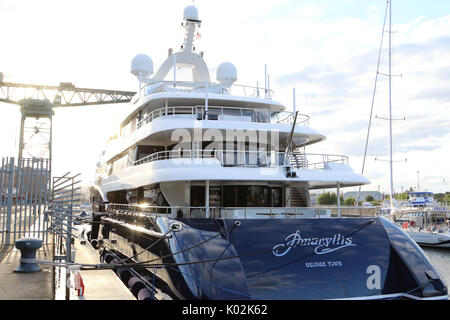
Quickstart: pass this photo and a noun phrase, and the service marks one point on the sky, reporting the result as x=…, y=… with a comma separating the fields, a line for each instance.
x=326, y=49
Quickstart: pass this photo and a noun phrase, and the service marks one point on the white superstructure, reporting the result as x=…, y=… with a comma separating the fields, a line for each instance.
x=212, y=143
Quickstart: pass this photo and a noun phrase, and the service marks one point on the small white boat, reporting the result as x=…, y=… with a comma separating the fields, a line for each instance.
x=429, y=238
x=424, y=220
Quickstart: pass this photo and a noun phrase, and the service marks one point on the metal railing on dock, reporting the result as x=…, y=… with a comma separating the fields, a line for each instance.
x=24, y=190
x=65, y=202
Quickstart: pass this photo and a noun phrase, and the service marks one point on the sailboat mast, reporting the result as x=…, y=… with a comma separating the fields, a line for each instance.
x=390, y=109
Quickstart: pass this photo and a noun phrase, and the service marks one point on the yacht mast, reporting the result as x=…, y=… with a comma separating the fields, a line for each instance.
x=391, y=193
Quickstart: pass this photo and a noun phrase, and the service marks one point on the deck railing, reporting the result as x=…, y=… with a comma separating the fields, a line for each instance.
x=212, y=87
x=225, y=114
x=144, y=210
x=315, y=161
x=237, y=158
x=227, y=158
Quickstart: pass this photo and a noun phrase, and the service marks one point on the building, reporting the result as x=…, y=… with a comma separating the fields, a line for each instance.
x=377, y=196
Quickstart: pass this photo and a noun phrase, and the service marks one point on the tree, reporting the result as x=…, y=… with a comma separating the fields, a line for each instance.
x=369, y=198
x=350, y=201
x=447, y=197
x=327, y=198
x=402, y=196
x=440, y=197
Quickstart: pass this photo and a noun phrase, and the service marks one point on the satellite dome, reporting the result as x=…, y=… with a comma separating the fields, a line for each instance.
x=142, y=65
x=226, y=73
x=190, y=12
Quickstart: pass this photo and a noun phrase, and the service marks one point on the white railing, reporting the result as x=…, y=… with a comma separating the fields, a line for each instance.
x=224, y=114
x=286, y=117
x=200, y=87
x=227, y=158
x=134, y=211
x=314, y=161
x=166, y=112
x=237, y=158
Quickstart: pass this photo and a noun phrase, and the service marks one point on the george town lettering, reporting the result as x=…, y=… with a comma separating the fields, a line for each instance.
x=323, y=245
x=323, y=264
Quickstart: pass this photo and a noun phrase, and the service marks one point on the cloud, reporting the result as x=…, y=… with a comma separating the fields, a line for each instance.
x=322, y=75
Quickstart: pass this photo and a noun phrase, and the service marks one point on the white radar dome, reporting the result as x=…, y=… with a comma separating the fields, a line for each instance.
x=142, y=65
x=226, y=73
x=190, y=12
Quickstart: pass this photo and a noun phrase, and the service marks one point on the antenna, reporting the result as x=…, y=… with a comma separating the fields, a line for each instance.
x=293, y=93
x=418, y=185
x=265, y=81
x=174, y=70
x=191, y=22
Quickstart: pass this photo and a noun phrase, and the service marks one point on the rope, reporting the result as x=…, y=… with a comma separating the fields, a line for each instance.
x=150, y=246
x=212, y=284
x=192, y=247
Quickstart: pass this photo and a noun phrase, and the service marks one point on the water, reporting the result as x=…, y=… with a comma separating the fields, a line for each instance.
x=440, y=258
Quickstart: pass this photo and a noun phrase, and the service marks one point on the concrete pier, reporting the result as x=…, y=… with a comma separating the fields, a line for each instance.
x=40, y=285
x=25, y=286
x=99, y=284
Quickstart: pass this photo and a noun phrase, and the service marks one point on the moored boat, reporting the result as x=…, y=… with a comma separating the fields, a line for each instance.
x=205, y=193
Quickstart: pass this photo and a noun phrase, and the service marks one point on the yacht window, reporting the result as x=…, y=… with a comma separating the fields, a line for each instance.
x=232, y=112
x=262, y=116
x=197, y=196
x=247, y=113
x=258, y=196
x=252, y=196
x=120, y=164
x=276, y=197
x=144, y=151
x=234, y=196
x=213, y=113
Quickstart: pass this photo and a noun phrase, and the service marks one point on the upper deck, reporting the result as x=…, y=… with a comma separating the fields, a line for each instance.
x=158, y=94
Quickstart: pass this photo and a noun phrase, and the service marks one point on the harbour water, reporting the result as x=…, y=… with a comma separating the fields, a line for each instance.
x=440, y=258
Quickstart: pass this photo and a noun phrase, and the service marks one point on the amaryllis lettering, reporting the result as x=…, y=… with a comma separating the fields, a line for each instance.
x=323, y=245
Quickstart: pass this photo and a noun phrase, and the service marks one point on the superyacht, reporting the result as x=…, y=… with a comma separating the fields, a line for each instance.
x=204, y=191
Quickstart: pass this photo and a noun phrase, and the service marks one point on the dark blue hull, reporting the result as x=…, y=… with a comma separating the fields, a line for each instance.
x=356, y=258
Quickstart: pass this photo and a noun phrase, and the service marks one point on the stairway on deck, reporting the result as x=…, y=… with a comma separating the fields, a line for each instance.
x=297, y=198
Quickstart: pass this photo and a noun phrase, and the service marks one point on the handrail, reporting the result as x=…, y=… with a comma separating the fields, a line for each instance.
x=325, y=158
x=225, y=157
x=217, y=212
x=200, y=87
x=302, y=119
x=247, y=158
x=256, y=115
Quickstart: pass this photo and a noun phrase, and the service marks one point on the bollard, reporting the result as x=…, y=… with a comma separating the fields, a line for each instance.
x=28, y=248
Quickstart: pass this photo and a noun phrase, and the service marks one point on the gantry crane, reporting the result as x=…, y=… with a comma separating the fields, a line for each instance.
x=38, y=101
